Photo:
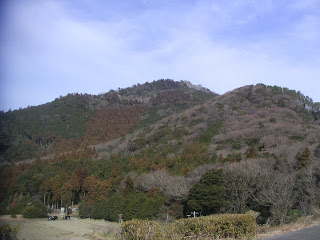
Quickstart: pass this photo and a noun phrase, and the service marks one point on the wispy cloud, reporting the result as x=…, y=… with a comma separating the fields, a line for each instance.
x=51, y=48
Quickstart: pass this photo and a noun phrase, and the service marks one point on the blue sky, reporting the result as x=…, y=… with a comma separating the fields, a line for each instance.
x=50, y=48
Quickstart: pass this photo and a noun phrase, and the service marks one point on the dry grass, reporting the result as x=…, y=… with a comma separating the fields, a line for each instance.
x=74, y=229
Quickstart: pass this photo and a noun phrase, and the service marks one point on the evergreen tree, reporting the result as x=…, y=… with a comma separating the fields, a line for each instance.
x=36, y=210
x=129, y=186
x=304, y=158
x=207, y=196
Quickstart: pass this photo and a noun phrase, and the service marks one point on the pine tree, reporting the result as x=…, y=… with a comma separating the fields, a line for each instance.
x=129, y=186
x=207, y=195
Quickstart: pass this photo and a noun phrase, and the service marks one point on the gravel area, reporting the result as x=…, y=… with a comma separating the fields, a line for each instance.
x=74, y=229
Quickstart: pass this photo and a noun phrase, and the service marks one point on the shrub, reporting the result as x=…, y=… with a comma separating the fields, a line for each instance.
x=272, y=120
x=8, y=232
x=209, y=227
x=140, y=229
x=236, y=146
x=293, y=215
x=252, y=141
x=217, y=226
x=37, y=210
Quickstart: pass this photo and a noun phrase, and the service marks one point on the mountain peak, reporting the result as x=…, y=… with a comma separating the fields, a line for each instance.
x=195, y=87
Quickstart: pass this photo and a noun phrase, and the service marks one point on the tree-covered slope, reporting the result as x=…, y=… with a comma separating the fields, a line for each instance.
x=76, y=120
x=256, y=120
x=148, y=145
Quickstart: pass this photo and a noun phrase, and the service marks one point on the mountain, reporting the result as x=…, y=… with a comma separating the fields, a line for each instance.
x=154, y=141
x=164, y=114
x=78, y=120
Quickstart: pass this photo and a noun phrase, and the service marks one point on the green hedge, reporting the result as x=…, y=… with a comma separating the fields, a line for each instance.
x=212, y=227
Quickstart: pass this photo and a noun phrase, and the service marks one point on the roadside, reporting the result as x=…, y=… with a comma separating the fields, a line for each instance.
x=266, y=232
x=311, y=233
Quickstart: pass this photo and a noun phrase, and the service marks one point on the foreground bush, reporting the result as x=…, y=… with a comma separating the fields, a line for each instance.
x=141, y=229
x=212, y=227
x=217, y=226
x=8, y=232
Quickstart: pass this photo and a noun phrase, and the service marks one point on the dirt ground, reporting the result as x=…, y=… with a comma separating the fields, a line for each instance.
x=73, y=229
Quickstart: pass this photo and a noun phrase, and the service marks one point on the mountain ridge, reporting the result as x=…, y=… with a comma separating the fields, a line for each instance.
x=147, y=103
x=68, y=117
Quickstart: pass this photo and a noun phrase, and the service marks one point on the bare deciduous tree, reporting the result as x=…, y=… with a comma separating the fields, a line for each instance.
x=308, y=188
x=240, y=185
x=176, y=187
x=276, y=189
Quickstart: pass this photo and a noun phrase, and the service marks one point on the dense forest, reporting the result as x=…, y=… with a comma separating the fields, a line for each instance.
x=163, y=149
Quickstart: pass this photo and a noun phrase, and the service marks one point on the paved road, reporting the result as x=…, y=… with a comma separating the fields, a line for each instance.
x=312, y=233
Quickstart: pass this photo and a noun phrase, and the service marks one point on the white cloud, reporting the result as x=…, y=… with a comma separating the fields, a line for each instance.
x=220, y=46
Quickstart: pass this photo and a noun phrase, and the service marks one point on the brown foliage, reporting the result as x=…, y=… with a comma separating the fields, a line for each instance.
x=77, y=178
x=153, y=192
x=304, y=159
x=95, y=189
x=110, y=124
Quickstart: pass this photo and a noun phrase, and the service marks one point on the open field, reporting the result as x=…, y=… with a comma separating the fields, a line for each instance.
x=74, y=229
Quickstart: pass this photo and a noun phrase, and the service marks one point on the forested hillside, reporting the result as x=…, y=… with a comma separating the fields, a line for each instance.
x=163, y=149
x=78, y=120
